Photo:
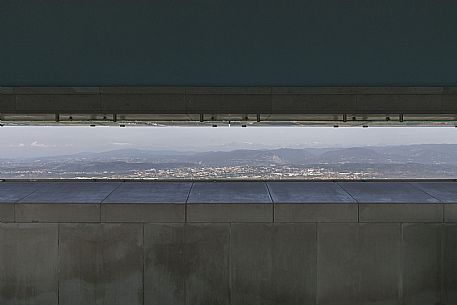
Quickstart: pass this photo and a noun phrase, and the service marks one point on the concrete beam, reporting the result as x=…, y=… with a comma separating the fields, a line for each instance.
x=229, y=100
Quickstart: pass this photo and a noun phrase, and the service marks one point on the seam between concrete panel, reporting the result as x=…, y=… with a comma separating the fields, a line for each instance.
x=230, y=263
x=439, y=201
x=100, y=203
x=17, y=201
x=119, y=185
x=442, y=248
x=423, y=191
x=28, y=195
x=353, y=198
x=185, y=203
x=144, y=260
x=402, y=255
x=317, y=263
x=184, y=257
x=316, y=260
x=272, y=202
x=58, y=264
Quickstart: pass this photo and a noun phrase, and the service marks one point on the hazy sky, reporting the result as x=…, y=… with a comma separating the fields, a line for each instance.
x=43, y=141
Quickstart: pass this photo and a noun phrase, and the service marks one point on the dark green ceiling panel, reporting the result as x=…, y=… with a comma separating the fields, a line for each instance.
x=228, y=43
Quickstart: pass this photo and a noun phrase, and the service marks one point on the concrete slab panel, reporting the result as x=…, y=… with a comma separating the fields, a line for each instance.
x=228, y=103
x=308, y=192
x=143, y=103
x=7, y=103
x=165, y=266
x=28, y=263
x=139, y=212
x=142, y=90
x=57, y=212
x=257, y=90
x=150, y=192
x=56, y=90
x=309, y=103
x=71, y=192
x=422, y=264
x=450, y=212
x=273, y=263
x=337, y=264
x=229, y=192
x=231, y=212
x=400, y=212
x=207, y=255
x=386, y=192
x=360, y=90
x=101, y=264
x=450, y=265
x=443, y=191
x=58, y=103
x=187, y=264
x=6, y=212
x=448, y=103
x=380, y=264
x=400, y=103
x=319, y=212
x=11, y=192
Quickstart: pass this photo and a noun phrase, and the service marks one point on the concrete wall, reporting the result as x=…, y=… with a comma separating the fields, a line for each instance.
x=228, y=243
x=311, y=262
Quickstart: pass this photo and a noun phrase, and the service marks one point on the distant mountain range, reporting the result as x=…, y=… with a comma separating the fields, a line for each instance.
x=419, y=154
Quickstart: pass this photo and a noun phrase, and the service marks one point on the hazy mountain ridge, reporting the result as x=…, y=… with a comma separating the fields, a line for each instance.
x=420, y=154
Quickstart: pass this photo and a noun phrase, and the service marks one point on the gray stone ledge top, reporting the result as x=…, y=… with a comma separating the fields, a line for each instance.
x=229, y=192
x=156, y=192
x=308, y=192
x=445, y=192
x=71, y=192
x=386, y=192
x=11, y=192
x=237, y=192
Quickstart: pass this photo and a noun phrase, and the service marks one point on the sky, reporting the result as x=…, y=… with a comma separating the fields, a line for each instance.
x=38, y=141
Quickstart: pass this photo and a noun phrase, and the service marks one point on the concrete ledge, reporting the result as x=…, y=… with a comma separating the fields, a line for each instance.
x=54, y=212
x=445, y=192
x=229, y=192
x=400, y=212
x=11, y=192
x=71, y=192
x=232, y=212
x=156, y=192
x=386, y=192
x=450, y=212
x=153, y=212
x=308, y=192
x=318, y=212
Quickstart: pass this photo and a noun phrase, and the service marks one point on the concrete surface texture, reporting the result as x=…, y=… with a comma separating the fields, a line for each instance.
x=196, y=100
x=308, y=243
